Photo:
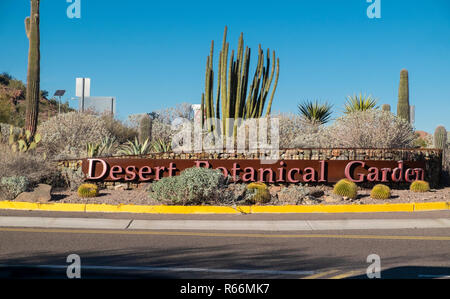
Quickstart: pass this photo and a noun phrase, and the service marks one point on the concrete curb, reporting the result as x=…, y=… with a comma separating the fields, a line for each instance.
x=103, y=208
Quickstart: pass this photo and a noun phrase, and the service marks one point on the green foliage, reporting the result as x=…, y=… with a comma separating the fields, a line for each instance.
x=160, y=146
x=24, y=141
x=419, y=186
x=440, y=137
x=257, y=193
x=359, y=103
x=15, y=185
x=135, y=148
x=73, y=178
x=88, y=191
x=107, y=147
x=403, y=108
x=380, y=191
x=314, y=112
x=192, y=186
x=231, y=98
x=346, y=188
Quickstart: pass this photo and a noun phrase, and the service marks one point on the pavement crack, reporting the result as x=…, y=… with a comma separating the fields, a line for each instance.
x=129, y=223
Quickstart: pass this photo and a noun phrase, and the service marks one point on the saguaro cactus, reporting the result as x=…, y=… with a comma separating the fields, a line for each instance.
x=386, y=107
x=145, y=128
x=403, y=109
x=231, y=97
x=33, y=75
x=440, y=138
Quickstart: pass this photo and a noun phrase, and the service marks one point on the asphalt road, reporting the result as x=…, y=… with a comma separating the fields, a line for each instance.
x=404, y=253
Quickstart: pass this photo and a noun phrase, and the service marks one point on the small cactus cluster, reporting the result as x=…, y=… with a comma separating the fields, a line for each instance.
x=258, y=193
x=24, y=141
x=380, y=191
x=346, y=188
x=419, y=186
x=88, y=191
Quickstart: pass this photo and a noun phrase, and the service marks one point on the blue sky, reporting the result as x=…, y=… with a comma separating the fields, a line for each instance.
x=152, y=54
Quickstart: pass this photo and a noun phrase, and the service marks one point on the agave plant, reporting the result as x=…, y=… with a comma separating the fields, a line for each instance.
x=160, y=146
x=106, y=147
x=314, y=112
x=135, y=148
x=360, y=103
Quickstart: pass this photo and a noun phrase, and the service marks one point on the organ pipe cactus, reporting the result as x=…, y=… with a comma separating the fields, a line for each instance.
x=33, y=74
x=403, y=109
x=234, y=98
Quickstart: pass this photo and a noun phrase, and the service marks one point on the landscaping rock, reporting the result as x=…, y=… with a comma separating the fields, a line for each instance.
x=121, y=187
x=332, y=198
x=41, y=194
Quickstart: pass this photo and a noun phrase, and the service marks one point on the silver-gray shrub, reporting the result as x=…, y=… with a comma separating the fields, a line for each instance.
x=370, y=129
x=15, y=185
x=66, y=135
x=192, y=186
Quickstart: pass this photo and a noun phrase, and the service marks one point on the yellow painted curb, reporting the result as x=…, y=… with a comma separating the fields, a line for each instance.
x=104, y=208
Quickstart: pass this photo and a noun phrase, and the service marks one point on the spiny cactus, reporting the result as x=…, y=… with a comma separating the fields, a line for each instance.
x=33, y=75
x=145, y=128
x=419, y=186
x=440, y=137
x=380, y=191
x=231, y=97
x=386, y=107
x=88, y=191
x=403, y=109
x=258, y=193
x=24, y=141
x=346, y=188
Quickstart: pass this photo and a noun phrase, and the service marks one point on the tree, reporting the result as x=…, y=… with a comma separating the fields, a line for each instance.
x=33, y=73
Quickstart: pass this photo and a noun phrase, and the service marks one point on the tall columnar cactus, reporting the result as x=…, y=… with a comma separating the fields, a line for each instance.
x=231, y=99
x=403, y=109
x=440, y=138
x=386, y=107
x=33, y=75
x=145, y=128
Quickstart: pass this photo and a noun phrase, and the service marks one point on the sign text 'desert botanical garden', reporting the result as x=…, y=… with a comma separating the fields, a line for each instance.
x=252, y=170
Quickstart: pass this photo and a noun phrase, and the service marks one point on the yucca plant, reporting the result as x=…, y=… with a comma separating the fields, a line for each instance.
x=135, y=148
x=161, y=146
x=106, y=147
x=360, y=103
x=92, y=150
x=314, y=112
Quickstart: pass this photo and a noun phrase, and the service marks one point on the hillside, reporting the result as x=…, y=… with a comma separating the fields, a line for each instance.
x=12, y=102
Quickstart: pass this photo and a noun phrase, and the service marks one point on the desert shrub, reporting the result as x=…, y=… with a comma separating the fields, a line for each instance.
x=346, y=188
x=380, y=191
x=118, y=130
x=88, y=191
x=32, y=166
x=66, y=135
x=419, y=186
x=446, y=166
x=15, y=185
x=257, y=193
x=370, y=129
x=73, y=178
x=5, y=132
x=192, y=186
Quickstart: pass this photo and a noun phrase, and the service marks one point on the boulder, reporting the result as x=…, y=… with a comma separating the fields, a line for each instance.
x=41, y=194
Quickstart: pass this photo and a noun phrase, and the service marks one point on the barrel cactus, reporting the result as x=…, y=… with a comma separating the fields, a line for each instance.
x=88, y=191
x=380, y=191
x=258, y=193
x=346, y=188
x=419, y=186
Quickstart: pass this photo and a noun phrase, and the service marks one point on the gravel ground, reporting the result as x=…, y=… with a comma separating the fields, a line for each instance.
x=140, y=197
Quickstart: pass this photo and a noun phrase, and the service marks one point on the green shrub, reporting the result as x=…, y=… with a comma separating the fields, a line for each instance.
x=15, y=185
x=192, y=186
x=419, y=186
x=88, y=191
x=380, y=191
x=257, y=193
x=346, y=188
